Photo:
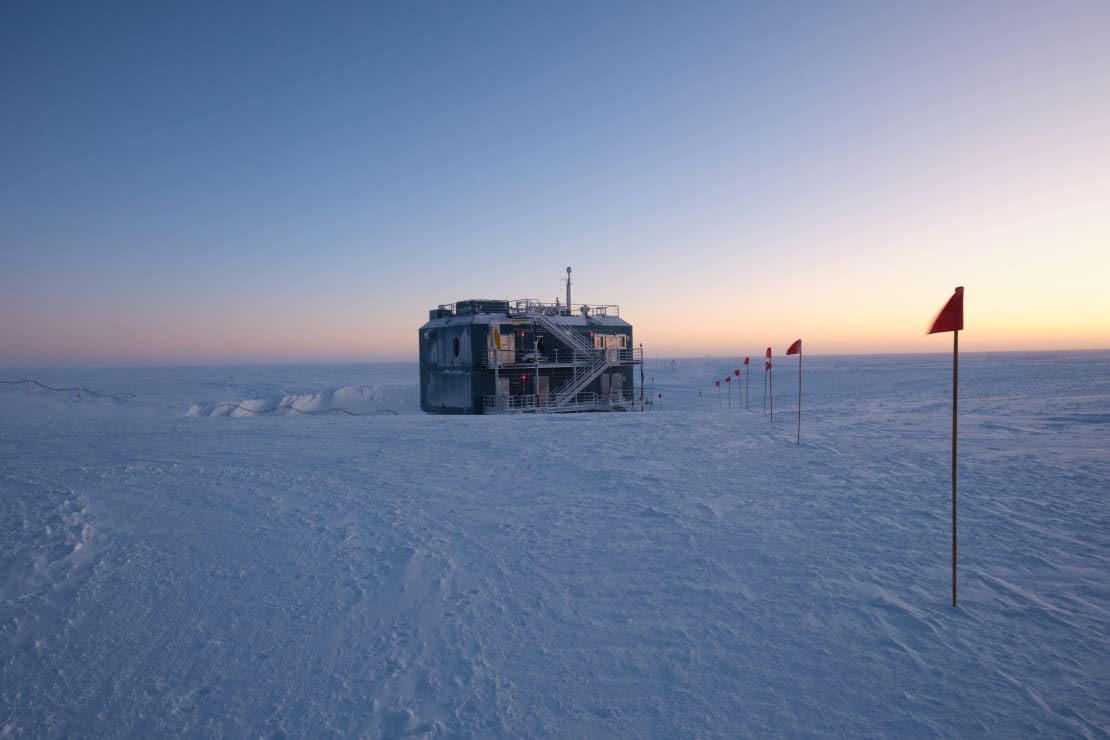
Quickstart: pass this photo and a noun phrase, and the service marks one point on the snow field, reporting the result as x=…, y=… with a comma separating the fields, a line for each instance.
x=683, y=572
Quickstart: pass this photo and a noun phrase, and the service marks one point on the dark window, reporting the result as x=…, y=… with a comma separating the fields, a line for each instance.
x=455, y=346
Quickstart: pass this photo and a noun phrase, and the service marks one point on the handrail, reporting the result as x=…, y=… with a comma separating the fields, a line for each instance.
x=573, y=338
x=580, y=380
x=530, y=402
x=533, y=307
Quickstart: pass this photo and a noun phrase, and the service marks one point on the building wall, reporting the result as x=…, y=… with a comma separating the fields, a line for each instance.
x=455, y=352
x=452, y=380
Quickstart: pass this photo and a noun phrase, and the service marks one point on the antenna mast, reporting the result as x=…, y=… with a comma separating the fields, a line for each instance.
x=568, y=291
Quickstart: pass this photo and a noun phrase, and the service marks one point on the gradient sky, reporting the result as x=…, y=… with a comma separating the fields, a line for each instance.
x=230, y=182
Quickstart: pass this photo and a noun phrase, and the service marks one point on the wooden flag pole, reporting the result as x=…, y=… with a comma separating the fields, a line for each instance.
x=955, y=391
x=796, y=349
x=799, y=396
x=769, y=369
x=951, y=318
x=643, y=394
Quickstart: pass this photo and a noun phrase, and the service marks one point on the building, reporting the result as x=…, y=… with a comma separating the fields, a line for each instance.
x=494, y=356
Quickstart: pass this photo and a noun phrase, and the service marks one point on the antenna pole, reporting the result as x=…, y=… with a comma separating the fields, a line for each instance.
x=568, y=291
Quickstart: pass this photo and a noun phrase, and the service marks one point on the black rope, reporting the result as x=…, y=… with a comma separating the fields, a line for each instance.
x=316, y=412
x=68, y=389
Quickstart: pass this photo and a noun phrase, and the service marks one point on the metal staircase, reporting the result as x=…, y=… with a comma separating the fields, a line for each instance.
x=572, y=339
x=583, y=376
x=589, y=362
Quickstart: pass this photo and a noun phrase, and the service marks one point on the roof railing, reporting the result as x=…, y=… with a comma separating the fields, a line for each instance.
x=530, y=306
x=525, y=307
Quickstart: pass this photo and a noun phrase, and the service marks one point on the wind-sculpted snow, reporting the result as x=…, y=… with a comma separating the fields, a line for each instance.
x=350, y=401
x=683, y=572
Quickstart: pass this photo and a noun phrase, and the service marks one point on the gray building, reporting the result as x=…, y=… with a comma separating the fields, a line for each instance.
x=494, y=356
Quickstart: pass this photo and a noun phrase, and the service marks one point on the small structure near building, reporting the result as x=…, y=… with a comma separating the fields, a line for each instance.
x=484, y=356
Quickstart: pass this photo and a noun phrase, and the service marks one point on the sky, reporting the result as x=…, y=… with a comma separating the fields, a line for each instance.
x=232, y=182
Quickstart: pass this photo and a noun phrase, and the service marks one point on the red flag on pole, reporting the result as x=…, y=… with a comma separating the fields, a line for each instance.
x=767, y=374
x=728, y=379
x=718, y=384
x=747, y=385
x=768, y=353
x=951, y=317
x=736, y=373
x=796, y=349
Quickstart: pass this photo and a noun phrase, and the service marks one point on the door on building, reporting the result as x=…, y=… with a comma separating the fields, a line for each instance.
x=616, y=386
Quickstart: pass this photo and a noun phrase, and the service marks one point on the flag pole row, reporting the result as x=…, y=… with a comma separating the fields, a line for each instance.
x=950, y=319
x=768, y=384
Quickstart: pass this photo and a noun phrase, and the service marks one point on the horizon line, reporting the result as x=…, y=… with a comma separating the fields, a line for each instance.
x=386, y=360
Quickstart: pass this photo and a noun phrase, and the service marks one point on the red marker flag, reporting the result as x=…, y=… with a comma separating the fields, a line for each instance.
x=796, y=349
x=768, y=382
x=747, y=361
x=718, y=384
x=768, y=353
x=951, y=317
x=728, y=379
x=736, y=373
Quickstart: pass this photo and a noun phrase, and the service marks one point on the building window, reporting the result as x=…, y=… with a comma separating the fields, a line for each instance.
x=455, y=346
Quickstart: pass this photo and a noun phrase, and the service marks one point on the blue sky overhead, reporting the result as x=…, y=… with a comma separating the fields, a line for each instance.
x=294, y=181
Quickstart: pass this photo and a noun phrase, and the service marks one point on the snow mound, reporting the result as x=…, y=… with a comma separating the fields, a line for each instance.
x=362, y=400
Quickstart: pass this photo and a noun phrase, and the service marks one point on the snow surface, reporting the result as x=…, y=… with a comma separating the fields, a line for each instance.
x=174, y=564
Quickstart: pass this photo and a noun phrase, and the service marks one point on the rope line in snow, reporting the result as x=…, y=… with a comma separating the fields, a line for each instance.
x=305, y=412
x=69, y=389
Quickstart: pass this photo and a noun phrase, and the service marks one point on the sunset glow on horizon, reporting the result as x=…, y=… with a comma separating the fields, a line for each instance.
x=195, y=183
